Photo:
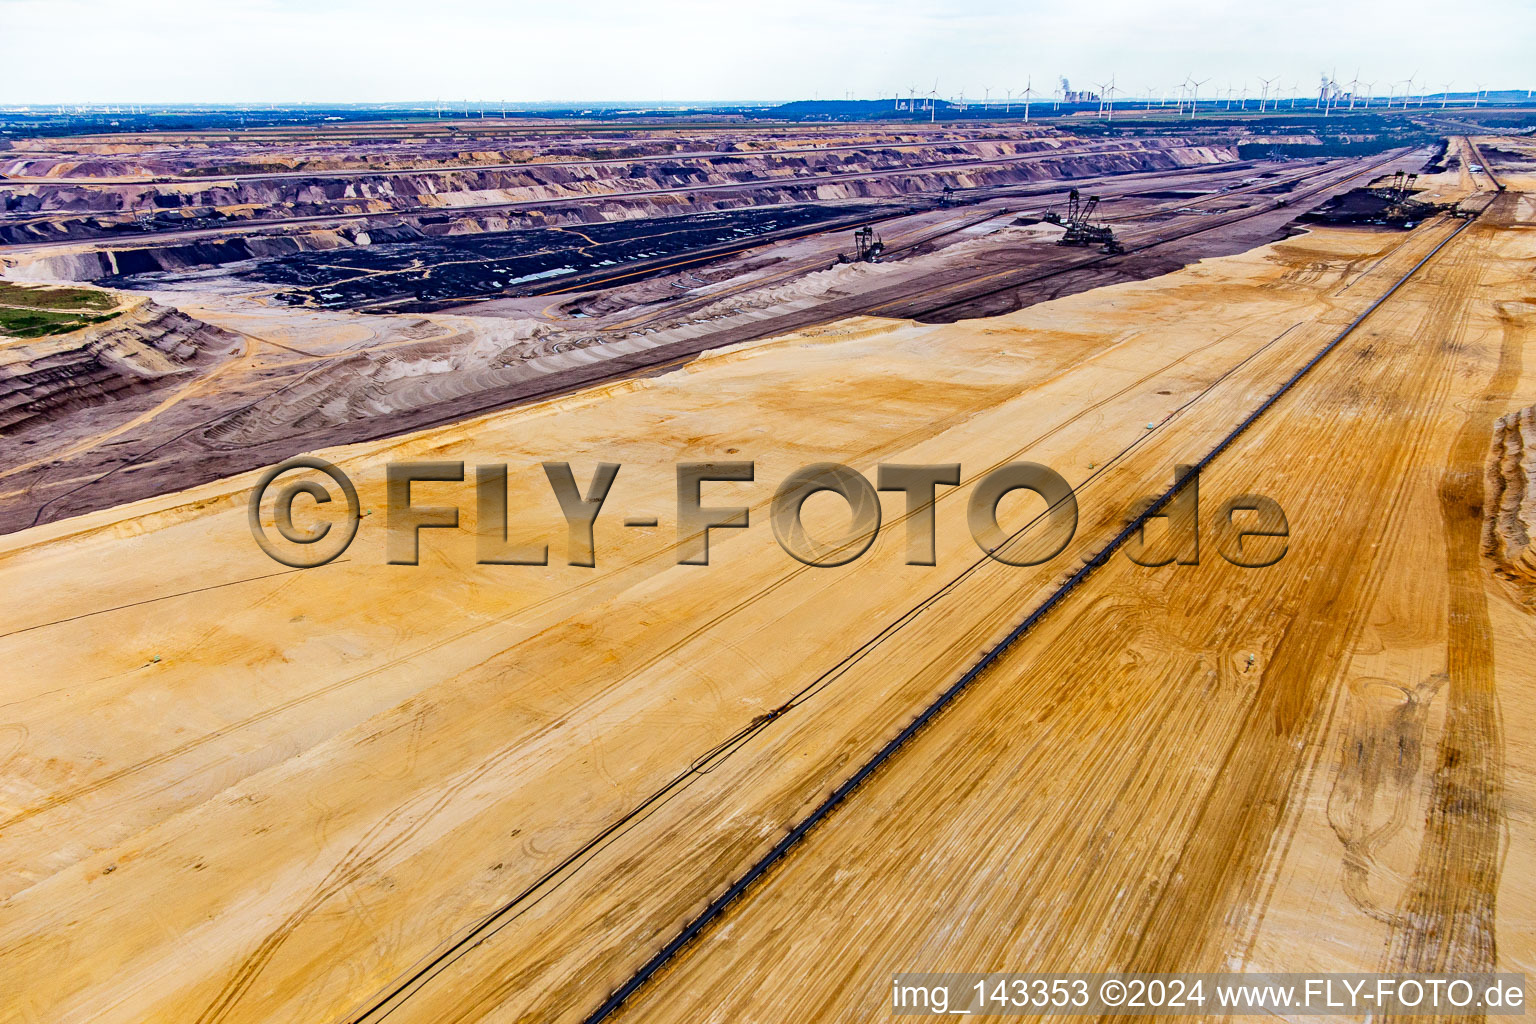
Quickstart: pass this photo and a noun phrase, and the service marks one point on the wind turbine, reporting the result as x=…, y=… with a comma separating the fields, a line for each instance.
x=1445, y=94
x=1194, y=96
x=1151, y=92
x=1029, y=90
x=1477, y=97
x=1354, y=87
x=1264, y=99
x=1107, y=92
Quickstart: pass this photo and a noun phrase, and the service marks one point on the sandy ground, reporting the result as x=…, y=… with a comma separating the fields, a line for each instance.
x=234, y=793
x=1311, y=768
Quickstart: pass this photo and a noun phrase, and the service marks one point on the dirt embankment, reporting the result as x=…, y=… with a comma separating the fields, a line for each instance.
x=1510, y=500
x=144, y=348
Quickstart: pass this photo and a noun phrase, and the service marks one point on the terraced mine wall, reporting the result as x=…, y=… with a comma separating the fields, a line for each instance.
x=135, y=209
x=146, y=347
x=479, y=363
x=392, y=147
x=135, y=252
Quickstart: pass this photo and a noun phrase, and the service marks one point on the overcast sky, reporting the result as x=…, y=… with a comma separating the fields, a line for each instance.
x=75, y=51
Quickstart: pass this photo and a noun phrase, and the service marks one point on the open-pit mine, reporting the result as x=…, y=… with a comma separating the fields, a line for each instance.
x=1170, y=606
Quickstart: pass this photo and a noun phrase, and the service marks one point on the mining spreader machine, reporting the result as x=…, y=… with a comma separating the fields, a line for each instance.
x=867, y=247
x=1081, y=231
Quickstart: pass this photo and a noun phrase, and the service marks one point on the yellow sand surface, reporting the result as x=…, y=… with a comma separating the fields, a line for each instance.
x=232, y=792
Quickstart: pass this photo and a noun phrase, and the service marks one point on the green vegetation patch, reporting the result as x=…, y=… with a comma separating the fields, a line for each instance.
x=44, y=297
x=40, y=323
